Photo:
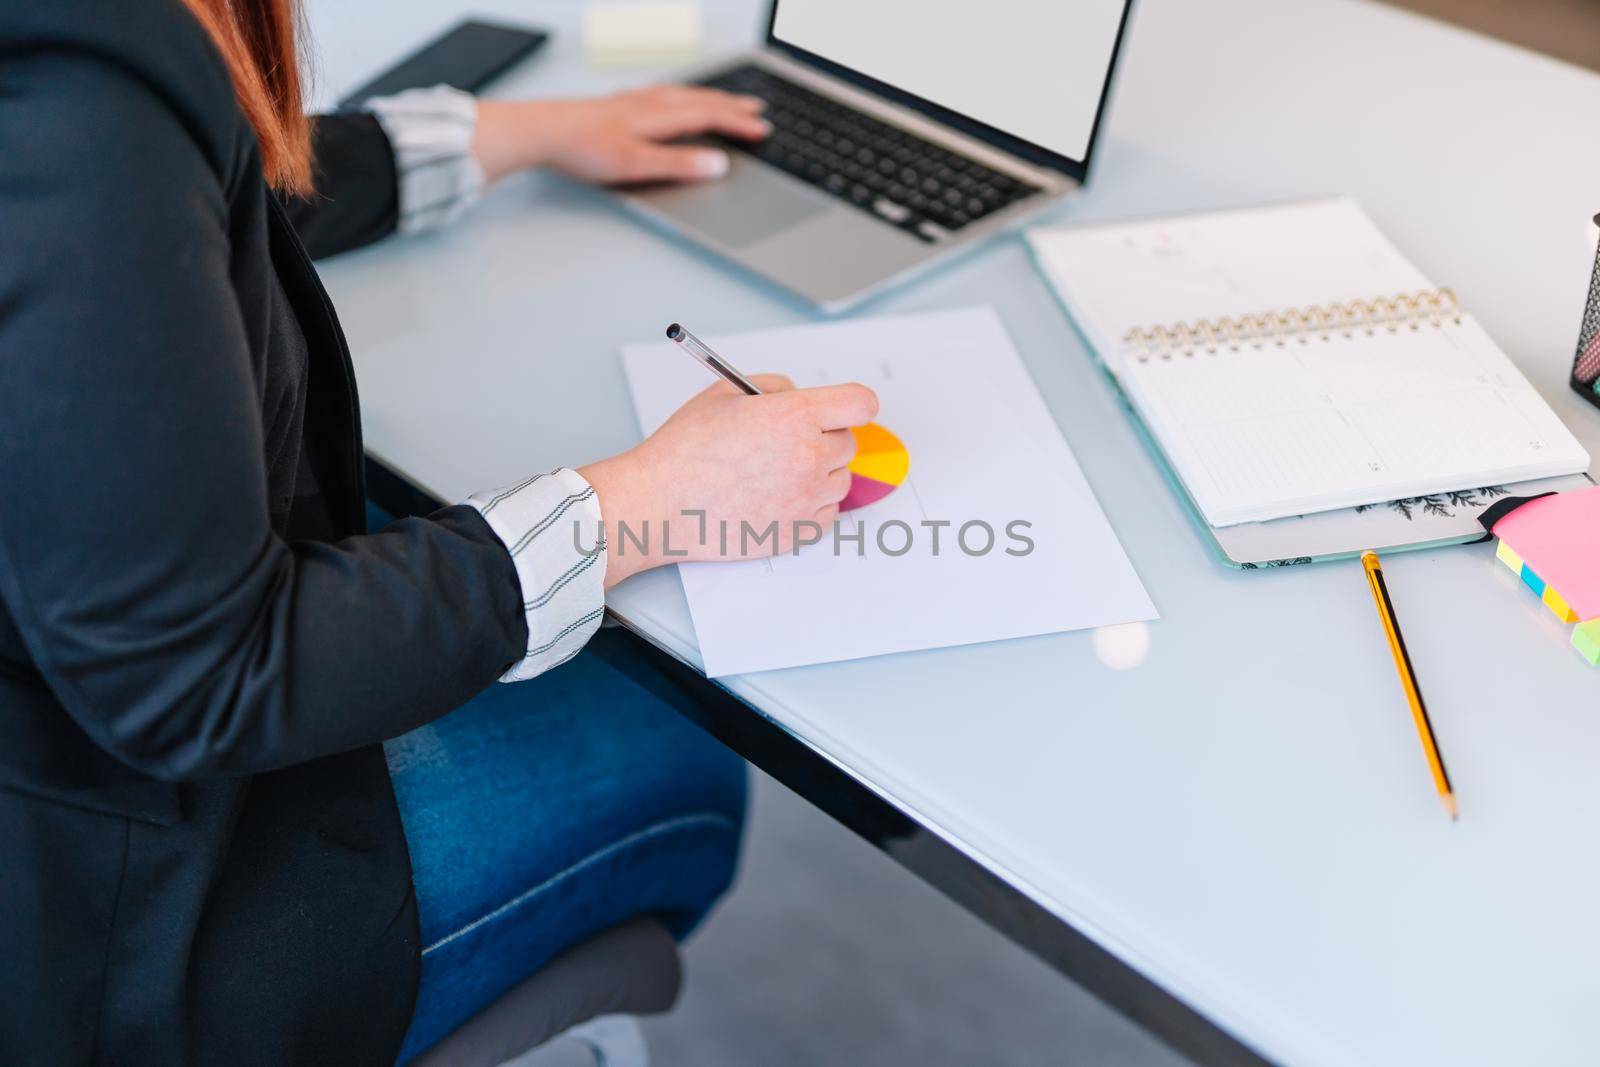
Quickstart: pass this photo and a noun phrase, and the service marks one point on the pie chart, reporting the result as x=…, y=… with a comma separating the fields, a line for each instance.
x=880, y=466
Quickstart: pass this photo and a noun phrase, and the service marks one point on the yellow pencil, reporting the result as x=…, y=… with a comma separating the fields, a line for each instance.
x=1408, y=680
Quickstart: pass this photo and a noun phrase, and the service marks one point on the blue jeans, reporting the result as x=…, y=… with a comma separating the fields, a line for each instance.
x=542, y=813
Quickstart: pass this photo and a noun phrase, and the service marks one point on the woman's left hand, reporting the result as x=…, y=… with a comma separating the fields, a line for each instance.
x=618, y=139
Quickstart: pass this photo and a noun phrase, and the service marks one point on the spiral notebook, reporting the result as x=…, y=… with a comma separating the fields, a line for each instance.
x=1289, y=360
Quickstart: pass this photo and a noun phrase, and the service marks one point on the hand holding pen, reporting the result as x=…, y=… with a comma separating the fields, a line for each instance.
x=762, y=453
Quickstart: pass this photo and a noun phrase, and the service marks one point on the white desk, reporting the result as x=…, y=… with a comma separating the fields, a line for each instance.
x=1246, y=817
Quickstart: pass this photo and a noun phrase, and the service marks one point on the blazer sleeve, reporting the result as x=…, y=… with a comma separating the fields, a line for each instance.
x=136, y=554
x=357, y=197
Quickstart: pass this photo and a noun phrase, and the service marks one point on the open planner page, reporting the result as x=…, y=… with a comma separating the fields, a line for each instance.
x=1266, y=409
x=1125, y=276
x=1312, y=425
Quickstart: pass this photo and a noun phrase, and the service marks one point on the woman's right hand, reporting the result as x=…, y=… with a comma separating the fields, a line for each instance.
x=729, y=462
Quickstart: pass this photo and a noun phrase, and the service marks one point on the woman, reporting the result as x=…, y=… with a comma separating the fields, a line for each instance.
x=201, y=652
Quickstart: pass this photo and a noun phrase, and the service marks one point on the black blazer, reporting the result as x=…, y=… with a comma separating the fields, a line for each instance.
x=200, y=856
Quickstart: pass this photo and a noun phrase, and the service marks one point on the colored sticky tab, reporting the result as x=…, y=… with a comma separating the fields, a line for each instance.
x=1532, y=580
x=1505, y=555
x=1586, y=639
x=1558, y=540
x=1558, y=604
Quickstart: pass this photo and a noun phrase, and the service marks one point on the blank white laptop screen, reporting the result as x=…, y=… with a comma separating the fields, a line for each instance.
x=1035, y=69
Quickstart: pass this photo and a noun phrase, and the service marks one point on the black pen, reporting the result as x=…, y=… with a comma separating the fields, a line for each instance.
x=719, y=366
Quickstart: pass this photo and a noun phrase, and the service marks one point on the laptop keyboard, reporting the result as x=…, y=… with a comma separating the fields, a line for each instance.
x=908, y=182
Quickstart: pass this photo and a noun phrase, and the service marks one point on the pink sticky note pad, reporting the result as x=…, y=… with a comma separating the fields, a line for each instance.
x=1558, y=538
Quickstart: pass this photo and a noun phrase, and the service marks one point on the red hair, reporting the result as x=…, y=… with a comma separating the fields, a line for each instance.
x=257, y=40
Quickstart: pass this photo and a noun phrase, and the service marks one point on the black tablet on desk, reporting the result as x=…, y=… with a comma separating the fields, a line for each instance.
x=467, y=57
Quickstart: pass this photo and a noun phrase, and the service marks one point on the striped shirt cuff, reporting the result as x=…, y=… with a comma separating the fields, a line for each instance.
x=550, y=524
x=431, y=132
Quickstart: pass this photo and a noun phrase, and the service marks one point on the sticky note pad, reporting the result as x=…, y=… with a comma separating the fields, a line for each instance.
x=1586, y=639
x=641, y=33
x=1558, y=540
x=1504, y=554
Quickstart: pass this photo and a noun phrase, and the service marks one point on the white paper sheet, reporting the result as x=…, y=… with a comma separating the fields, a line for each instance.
x=983, y=449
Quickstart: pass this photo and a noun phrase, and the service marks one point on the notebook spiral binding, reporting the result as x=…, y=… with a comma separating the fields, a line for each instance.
x=1186, y=339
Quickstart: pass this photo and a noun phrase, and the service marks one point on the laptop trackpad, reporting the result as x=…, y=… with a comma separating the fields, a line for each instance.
x=752, y=203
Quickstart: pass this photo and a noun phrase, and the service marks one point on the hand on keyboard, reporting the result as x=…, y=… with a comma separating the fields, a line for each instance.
x=618, y=139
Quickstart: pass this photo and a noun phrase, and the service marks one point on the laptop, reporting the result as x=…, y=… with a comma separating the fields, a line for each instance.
x=904, y=131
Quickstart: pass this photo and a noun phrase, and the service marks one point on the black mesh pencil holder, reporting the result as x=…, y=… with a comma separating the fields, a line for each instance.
x=1586, y=365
